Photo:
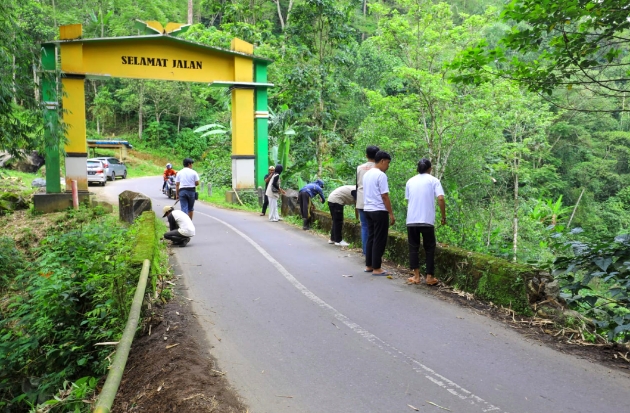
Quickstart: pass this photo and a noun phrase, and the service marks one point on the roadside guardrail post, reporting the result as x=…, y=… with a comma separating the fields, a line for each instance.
x=110, y=388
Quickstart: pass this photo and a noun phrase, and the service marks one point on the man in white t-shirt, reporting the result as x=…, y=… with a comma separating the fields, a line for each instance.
x=421, y=192
x=378, y=211
x=181, y=228
x=370, y=153
x=186, y=183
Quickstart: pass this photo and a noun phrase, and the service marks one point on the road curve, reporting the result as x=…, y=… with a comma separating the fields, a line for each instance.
x=298, y=327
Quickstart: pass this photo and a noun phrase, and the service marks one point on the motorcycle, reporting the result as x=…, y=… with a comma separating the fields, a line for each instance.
x=170, y=189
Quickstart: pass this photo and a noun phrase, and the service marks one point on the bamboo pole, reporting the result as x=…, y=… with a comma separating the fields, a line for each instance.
x=106, y=398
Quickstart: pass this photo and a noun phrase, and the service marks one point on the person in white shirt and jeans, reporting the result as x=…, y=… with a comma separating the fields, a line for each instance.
x=370, y=153
x=377, y=209
x=421, y=192
x=186, y=183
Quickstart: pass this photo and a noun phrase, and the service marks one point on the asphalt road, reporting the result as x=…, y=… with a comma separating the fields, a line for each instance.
x=296, y=335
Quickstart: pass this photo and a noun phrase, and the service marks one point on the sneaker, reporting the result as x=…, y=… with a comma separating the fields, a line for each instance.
x=342, y=243
x=184, y=243
x=331, y=241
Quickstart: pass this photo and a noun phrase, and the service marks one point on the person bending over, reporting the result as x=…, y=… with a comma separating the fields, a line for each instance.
x=181, y=228
x=344, y=195
x=307, y=192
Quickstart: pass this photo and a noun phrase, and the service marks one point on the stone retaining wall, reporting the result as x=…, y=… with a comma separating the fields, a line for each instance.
x=488, y=278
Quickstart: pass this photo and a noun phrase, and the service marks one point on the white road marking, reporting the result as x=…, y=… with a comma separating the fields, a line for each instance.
x=417, y=366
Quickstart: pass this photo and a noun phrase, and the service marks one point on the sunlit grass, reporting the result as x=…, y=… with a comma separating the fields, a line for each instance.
x=138, y=164
x=26, y=177
x=218, y=198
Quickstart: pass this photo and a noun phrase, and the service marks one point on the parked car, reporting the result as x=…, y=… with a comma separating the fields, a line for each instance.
x=96, y=171
x=114, y=167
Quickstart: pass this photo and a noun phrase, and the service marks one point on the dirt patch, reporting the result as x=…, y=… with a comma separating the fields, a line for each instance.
x=176, y=374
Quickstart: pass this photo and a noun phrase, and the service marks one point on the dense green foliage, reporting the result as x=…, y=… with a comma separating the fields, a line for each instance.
x=563, y=43
x=596, y=276
x=454, y=81
x=66, y=295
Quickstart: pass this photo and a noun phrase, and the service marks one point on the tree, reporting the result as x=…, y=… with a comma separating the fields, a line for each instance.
x=525, y=121
x=102, y=108
x=417, y=111
x=20, y=128
x=321, y=37
x=579, y=45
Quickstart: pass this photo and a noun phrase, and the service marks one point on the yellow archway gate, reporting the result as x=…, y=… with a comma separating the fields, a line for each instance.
x=157, y=56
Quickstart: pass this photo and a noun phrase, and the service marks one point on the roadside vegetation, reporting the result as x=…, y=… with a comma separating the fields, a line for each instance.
x=66, y=284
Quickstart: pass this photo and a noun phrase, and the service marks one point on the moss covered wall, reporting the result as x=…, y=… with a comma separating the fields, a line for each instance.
x=488, y=278
x=146, y=239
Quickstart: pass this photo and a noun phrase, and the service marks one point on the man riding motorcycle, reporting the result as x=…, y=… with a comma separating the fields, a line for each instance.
x=168, y=172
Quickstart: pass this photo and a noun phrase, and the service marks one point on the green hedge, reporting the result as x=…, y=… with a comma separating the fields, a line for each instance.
x=488, y=278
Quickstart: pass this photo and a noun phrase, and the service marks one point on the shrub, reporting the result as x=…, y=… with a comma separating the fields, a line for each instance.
x=76, y=293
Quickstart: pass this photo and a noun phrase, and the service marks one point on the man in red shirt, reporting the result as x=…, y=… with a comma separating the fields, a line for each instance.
x=169, y=171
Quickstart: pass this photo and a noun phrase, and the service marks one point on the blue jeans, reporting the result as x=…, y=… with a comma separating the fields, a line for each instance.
x=364, y=229
x=187, y=199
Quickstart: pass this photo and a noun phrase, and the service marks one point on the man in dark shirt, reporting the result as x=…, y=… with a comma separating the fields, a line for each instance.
x=307, y=192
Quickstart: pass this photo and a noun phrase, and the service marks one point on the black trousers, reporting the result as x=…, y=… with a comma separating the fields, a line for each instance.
x=428, y=242
x=378, y=224
x=336, y=212
x=265, y=204
x=175, y=236
x=303, y=199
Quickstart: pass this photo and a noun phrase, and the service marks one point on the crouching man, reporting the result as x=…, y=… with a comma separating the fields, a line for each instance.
x=180, y=224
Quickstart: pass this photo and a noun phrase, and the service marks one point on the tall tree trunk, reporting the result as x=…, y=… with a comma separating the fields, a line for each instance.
x=515, y=232
x=14, y=86
x=190, y=11
x=320, y=137
x=286, y=21
x=364, y=14
x=489, y=228
x=179, y=120
x=54, y=13
x=102, y=22
x=98, y=126
x=575, y=208
x=279, y=14
x=140, y=107
x=36, y=83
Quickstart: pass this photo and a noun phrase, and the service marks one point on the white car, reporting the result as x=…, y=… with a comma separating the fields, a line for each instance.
x=96, y=171
x=114, y=167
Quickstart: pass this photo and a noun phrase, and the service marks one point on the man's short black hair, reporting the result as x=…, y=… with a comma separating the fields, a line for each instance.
x=188, y=162
x=380, y=155
x=371, y=151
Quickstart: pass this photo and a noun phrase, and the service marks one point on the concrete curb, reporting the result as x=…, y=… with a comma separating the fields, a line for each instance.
x=488, y=278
